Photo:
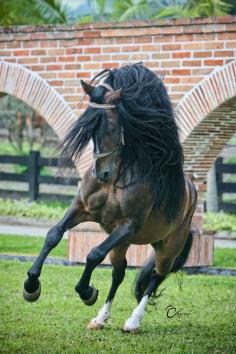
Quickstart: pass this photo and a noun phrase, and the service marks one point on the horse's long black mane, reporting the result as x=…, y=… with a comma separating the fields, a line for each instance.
x=152, y=145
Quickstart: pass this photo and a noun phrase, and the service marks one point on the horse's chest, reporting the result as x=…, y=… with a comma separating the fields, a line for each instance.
x=103, y=208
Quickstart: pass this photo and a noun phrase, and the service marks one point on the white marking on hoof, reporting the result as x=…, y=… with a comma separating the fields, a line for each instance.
x=129, y=330
x=133, y=323
x=94, y=326
x=99, y=321
x=130, y=327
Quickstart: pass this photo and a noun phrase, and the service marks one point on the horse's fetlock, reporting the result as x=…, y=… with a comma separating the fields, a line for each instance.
x=78, y=288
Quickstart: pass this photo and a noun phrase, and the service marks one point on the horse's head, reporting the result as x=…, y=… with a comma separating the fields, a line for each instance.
x=108, y=137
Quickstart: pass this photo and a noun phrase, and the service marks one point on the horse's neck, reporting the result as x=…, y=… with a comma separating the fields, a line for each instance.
x=127, y=179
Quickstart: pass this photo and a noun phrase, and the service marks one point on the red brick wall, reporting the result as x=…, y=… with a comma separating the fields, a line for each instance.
x=185, y=51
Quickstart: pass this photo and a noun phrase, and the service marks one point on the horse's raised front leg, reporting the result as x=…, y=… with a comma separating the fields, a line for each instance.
x=118, y=261
x=73, y=216
x=119, y=235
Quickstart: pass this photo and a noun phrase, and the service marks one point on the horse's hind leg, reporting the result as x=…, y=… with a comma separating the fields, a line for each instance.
x=118, y=261
x=158, y=275
x=167, y=251
x=133, y=322
x=73, y=216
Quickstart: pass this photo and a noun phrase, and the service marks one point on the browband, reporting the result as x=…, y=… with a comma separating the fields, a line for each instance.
x=103, y=105
x=108, y=87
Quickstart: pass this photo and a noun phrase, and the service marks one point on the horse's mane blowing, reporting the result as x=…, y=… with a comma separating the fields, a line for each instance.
x=152, y=150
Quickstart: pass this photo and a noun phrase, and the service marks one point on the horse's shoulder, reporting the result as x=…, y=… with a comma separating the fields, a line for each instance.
x=89, y=185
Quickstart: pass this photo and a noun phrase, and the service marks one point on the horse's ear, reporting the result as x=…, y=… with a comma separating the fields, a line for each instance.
x=113, y=95
x=88, y=89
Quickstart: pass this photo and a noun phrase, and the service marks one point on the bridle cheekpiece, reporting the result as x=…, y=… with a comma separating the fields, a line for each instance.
x=108, y=106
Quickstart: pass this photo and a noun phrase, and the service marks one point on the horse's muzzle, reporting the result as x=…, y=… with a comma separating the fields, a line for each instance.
x=101, y=177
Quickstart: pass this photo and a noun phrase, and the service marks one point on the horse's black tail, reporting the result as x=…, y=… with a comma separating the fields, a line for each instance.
x=143, y=279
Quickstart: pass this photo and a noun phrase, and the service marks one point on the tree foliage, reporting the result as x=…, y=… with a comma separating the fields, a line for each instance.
x=23, y=125
x=192, y=8
x=15, y=12
x=26, y=12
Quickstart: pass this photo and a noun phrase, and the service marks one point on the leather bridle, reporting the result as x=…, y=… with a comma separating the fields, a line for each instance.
x=106, y=106
x=121, y=143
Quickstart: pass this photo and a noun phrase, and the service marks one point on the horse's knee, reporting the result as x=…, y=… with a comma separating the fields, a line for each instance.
x=95, y=256
x=53, y=237
x=164, y=264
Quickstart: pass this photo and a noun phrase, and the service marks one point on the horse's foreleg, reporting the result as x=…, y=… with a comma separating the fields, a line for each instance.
x=73, y=216
x=118, y=261
x=120, y=235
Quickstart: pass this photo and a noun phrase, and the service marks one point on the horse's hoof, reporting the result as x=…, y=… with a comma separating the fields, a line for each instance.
x=93, y=297
x=31, y=297
x=95, y=326
x=130, y=330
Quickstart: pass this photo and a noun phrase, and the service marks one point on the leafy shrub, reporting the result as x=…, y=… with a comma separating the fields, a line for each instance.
x=38, y=210
x=54, y=210
x=219, y=221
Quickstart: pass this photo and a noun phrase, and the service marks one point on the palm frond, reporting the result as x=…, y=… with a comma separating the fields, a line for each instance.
x=51, y=11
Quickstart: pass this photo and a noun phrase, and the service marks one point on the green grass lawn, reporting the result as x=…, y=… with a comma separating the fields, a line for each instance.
x=224, y=258
x=56, y=323
x=29, y=245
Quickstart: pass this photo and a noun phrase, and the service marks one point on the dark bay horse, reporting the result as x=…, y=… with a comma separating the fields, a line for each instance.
x=135, y=189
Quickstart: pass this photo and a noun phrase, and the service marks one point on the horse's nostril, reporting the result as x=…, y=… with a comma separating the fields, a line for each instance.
x=106, y=176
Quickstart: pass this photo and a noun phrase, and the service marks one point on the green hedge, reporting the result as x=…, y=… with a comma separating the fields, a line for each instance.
x=37, y=210
x=219, y=222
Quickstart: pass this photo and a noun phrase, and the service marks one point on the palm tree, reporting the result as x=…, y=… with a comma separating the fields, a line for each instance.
x=15, y=12
x=26, y=12
x=134, y=9
x=192, y=8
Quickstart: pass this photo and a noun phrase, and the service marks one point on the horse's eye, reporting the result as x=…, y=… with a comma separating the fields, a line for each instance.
x=110, y=132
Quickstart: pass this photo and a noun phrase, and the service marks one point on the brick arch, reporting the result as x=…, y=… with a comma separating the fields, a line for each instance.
x=205, y=97
x=29, y=87
x=207, y=118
